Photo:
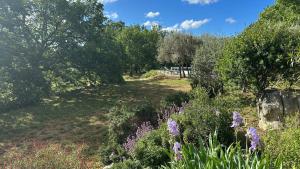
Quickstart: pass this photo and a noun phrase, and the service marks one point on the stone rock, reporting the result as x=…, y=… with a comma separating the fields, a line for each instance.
x=290, y=102
x=270, y=110
x=275, y=105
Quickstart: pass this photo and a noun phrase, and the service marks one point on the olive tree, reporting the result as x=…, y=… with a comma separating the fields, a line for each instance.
x=204, y=62
x=178, y=49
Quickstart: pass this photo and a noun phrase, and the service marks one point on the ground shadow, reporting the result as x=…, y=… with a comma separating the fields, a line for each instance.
x=77, y=117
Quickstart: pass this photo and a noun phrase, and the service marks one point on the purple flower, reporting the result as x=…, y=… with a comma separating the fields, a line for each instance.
x=145, y=128
x=177, y=149
x=255, y=139
x=173, y=127
x=237, y=120
x=129, y=144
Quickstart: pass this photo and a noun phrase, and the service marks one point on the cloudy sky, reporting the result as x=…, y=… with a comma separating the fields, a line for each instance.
x=220, y=17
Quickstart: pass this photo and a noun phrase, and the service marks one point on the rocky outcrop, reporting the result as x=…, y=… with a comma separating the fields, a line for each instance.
x=275, y=105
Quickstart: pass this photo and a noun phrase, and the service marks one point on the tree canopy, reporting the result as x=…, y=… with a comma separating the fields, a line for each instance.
x=45, y=40
x=266, y=51
x=177, y=48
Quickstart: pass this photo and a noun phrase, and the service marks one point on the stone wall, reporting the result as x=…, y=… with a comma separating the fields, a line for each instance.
x=275, y=105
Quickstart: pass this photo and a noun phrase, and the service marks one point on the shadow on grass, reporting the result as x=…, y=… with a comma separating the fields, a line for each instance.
x=76, y=117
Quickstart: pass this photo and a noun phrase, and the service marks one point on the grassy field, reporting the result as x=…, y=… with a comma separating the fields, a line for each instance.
x=78, y=117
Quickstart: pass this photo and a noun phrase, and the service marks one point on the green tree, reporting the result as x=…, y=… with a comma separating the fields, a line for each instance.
x=204, y=62
x=177, y=48
x=260, y=55
x=267, y=51
x=40, y=39
x=140, y=48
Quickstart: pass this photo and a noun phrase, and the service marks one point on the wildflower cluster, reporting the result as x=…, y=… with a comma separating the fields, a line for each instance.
x=177, y=149
x=251, y=132
x=145, y=128
x=165, y=114
x=237, y=120
x=255, y=139
x=173, y=129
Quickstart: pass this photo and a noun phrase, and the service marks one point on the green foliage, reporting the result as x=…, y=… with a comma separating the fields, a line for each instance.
x=177, y=98
x=215, y=156
x=123, y=122
x=45, y=44
x=260, y=55
x=286, y=11
x=285, y=144
x=151, y=149
x=266, y=51
x=128, y=164
x=112, y=153
x=178, y=49
x=151, y=74
x=204, y=61
x=139, y=45
x=202, y=116
x=47, y=157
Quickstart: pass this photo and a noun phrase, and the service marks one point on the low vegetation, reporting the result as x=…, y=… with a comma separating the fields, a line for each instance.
x=78, y=90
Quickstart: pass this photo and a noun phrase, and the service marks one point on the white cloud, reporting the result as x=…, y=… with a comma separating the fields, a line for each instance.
x=107, y=1
x=172, y=28
x=152, y=14
x=230, y=20
x=111, y=15
x=151, y=23
x=202, y=2
x=191, y=24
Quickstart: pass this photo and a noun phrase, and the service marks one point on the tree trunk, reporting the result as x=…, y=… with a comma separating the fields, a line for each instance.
x=183, y=72
x=180, y=72
x=131, y=71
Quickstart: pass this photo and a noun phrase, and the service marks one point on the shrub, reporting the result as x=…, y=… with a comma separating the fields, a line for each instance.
x=151, y=74
x=112, y=153
x=177, y=98
x=128, y=164
x=201, y=117
x=47, y=157
x=123, y=122
x=151, y=149
x=216, y=156
x=285, y=145
x=261, y=55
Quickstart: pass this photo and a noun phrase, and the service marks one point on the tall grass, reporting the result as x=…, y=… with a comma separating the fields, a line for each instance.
x=47, y=156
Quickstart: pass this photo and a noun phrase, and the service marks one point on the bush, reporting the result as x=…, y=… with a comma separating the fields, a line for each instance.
x=198, y=120
x=177, y=98
x=215, y=156
x=47, y=157
x=128, y=164
x=112, y=153
x=151, y=74
x=285, y=145
x=261, y=55
x=151, y=149
x=202, y=117
x=123, y=122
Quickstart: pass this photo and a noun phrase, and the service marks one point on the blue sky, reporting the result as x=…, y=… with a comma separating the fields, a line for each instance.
x=219, y=17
